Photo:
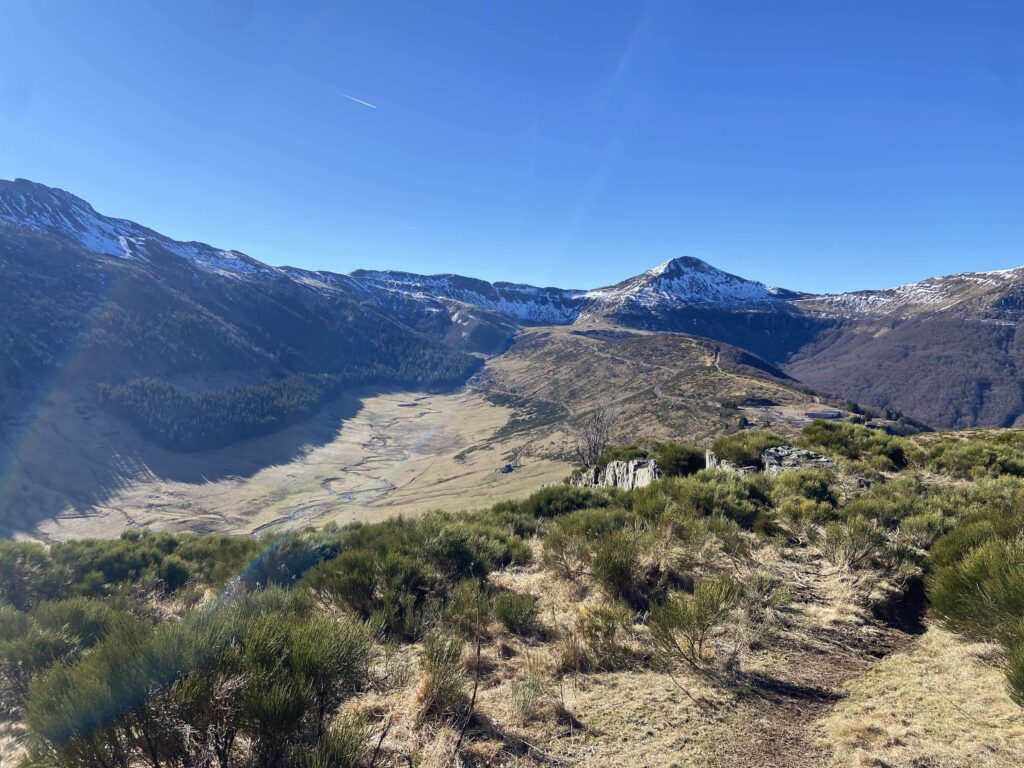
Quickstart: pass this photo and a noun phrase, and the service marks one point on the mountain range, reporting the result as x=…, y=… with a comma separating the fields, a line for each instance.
x=87, y=299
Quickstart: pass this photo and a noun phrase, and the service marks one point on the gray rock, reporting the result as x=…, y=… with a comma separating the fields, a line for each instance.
x=626, y=475
x=588, y=478
x=713, y=461
x=784, y=457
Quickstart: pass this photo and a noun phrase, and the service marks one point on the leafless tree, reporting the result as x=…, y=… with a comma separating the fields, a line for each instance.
x=592, y=433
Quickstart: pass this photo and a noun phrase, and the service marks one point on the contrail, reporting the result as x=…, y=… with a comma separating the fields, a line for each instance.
x=359, y=101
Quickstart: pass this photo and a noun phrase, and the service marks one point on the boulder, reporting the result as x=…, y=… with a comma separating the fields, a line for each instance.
x=588, y=478
x=713, y=461
x=628, y=475
x=784, y=457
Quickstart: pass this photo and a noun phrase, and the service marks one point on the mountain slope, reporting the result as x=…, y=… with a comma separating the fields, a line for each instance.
x=126, y=302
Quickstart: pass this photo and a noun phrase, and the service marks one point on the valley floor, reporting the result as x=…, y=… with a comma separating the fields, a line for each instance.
x=362, y=458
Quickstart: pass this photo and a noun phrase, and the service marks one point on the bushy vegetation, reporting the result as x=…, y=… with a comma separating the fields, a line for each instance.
x=879, y=450
x=744, y=448
x=985, y=455
x=977, y=585
x=173, y=649
x=30, y=573
x=674, y=459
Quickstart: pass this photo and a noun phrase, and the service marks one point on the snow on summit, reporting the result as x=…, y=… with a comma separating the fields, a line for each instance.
x=47, y=209
x=684, y=280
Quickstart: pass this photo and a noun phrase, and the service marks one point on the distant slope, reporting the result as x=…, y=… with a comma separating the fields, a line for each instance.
x=945, y=350
x=124, y=301
x=663, y=385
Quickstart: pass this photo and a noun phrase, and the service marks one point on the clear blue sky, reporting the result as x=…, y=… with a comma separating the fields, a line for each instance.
x=816, y=145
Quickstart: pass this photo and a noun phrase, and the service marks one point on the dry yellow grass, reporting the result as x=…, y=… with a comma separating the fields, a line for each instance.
x=362, y=458
x=942, y=705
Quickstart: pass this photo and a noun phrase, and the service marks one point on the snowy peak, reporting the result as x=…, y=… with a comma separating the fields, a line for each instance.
x=525, y=303
x=684, y=280
x=57, y=212
x=48, y=209
x=999, y=289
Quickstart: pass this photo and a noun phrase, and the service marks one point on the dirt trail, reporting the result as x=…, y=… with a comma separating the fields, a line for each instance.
x=776, y=719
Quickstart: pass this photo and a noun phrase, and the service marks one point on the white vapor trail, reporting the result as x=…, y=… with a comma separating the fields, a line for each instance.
x=358, y=101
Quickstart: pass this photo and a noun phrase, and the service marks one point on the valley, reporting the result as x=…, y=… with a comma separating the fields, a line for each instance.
x=364, y=457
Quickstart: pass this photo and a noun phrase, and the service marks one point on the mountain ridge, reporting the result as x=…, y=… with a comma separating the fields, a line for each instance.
x=898, y=347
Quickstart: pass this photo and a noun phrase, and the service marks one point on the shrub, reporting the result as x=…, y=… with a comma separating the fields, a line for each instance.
x=744, y=448
x=765, y=600
x=1000, y=453
x=528, y=692
x=27, y=574
x=888, y=504
x=982, y=596
x=851, y=441
x=853, y=543
x=683, y=625
x=442, y=689
x=814, y=485
x=569, y=544
x=674, y=459
x=559, y=500
x=740, y=498
x=1015, y=673
x=517, y=612
x=468, y=608
x=598, y=640
x=618, y=568
x=253, y=673
x=344, y=745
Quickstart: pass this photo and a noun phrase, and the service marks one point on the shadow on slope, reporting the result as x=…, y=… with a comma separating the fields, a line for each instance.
x=63, y=455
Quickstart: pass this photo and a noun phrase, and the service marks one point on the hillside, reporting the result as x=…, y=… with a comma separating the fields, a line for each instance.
x=663, y=385
x=125, y=302
x=710, y=618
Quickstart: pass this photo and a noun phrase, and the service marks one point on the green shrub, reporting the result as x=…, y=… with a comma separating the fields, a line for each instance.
x=468, y=607
x=557, y=500
x=853, y=543
x=28, y=574
x=569, y=544
x=741, y=498
x=344, y=745
x=598, y=641
x=744, y=448
x=765, y=600
x=982, y=596
x=682, y=627
x=618, y=568
x=1015, y=673
x=254, y=673
x=442, y=690
x=992, y=455
x=674, y=459
x=851, y=441
x=815, y=485
x=517, y=612
x=888, y=504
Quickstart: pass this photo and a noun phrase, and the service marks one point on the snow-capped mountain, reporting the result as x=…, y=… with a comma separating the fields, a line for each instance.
x=525, y=303
x=51, y=210
x=683, y=280
x=1000, y=289
x=195, y=307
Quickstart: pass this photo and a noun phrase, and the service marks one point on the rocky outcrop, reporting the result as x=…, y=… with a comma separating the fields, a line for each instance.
x=713, y=461
x=625, y=475
x=784, y=457
x=774, y=461
x=628, y=475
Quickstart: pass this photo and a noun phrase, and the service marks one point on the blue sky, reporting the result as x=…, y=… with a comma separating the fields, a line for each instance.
x=814, y=145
